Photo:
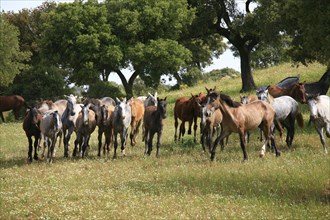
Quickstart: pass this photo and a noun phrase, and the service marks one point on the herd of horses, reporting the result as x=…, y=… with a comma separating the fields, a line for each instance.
x=273, y=108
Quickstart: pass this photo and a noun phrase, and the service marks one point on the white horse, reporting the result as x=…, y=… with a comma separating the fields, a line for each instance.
x=51, y=128
x=121, y=120
x=319, y=106
x=150, y=100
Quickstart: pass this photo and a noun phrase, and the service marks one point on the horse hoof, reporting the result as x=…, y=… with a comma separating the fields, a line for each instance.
x=261, y=155
x=278, y=154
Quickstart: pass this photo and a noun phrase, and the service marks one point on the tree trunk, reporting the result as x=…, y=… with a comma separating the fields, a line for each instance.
x=246, y=72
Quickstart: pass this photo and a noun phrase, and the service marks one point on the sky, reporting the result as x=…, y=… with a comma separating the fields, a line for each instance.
x=225, y=60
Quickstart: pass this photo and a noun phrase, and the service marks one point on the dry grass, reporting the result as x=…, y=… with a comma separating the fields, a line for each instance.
x=181, y=184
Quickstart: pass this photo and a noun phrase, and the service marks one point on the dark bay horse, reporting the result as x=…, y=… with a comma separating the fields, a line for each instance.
x=12, y=102
x=296, y=91
x=320, y=87
x=187, y=109
x=240, y=118
x=153, y=123
x=31, y=126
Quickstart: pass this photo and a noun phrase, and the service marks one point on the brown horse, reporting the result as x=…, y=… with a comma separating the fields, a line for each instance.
x=31, y=126
x=240, y=118
x=296, y=91
x=187, y=109
x=153, y=123
x=12, y=102
x=137, y=107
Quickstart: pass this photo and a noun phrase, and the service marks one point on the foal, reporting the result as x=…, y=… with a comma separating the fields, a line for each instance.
x=153, y=123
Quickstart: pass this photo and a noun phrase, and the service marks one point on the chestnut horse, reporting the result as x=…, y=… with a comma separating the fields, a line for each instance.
x=137, y=107
x=296, y=91
x=187, y=109
x=12, y=102
x=31, y=126
x=240, y=118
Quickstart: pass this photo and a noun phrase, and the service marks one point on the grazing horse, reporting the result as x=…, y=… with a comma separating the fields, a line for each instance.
x=69, y=118
x=286, y=112
x=51, y=128
x=187, y=109
x=137, y=107
x=31, y=126
x=240, y=118
x=121, y=119
x=288, y=82
x=153, y=123
x=296, y=91
x=319, y=106
x=12, y=102
x=85, y=126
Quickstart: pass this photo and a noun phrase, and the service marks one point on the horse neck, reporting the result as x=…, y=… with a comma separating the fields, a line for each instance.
x=227, y=112
x=270, y=98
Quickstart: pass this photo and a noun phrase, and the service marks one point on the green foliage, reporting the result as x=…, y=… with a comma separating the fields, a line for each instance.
x=192, y=76
x=217, y=74
x=11, y=57
x=40, y=82
x=101, y=89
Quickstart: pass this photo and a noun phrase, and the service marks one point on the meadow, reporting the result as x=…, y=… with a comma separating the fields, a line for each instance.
x=182, y=183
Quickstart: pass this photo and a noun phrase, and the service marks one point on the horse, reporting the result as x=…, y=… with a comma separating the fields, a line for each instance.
x=85, y=126
x=289, y=81
x=69, y=118
x=121, y=119
x=150, y=100
x=105, y=126
x=51, y=128
x=240, y=118
x=296, y=91
x=153, y=123
x=46, y=105
x=319, y=106
x=320, y=87
x=137, y=107
x=12, y=102
x=31, y=126
x=286, y=113
x=187, y=109
x=211, y=119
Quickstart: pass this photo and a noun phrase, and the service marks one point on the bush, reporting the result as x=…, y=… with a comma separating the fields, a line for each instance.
x=104, y=89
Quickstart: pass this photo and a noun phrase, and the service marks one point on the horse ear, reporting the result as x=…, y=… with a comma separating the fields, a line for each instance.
x=165, y=98
x=117, y=100
x=156, y=94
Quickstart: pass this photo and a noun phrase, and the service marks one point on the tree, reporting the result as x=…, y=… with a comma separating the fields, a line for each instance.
x=305, y=22
x=94, y=39
x=11, y=58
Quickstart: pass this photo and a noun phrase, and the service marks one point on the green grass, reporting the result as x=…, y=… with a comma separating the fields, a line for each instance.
x=181, y=184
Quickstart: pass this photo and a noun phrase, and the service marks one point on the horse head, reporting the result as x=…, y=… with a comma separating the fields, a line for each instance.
x=312, y=100
x=85, y=113
x=161, y=107
x=104, y=114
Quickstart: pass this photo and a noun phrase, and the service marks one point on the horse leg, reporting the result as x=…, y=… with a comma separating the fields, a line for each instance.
x=115, y=145
x=99, y=137
x=131, y=135
x=195, y=128
x=36, y=142
x=30, y=148
x=123, y=137
x=189, y=127
x=216, y=142
x=182, y=130
x=66, y=141
x=176, y=123
x=242, y=140
x=151, y=137
x=45, y=145
x=320, y=131
x=1, y=115
x=146, y=132
x=290, y=128
x=159, y=135
x=16, y=113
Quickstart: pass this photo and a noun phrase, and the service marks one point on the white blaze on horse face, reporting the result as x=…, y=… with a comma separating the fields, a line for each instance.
x=312, y=108
x=85, y=114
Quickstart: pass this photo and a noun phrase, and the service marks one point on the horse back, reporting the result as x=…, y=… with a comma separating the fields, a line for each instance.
x=182, y=109
x=137, y=108
x=11, y=102
x=257, y=112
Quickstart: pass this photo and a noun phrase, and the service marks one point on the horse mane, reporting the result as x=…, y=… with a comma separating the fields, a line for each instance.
x=227, y=99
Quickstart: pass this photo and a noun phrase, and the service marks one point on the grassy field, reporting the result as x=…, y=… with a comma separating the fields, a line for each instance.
x=182, y=183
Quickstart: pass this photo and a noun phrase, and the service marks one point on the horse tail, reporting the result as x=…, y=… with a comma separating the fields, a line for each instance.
x=300, y=119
